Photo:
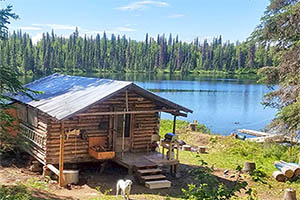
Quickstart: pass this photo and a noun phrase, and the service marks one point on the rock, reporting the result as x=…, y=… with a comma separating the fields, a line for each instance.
x=249, y=167
x=69, y=186
x=53, y=182
x=226, y=171
x=290, y=194
x=36, y=167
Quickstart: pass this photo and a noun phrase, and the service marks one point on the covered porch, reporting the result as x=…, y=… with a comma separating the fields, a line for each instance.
x=133, y=161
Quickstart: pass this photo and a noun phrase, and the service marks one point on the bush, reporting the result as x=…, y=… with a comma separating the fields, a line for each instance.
x=166, y=126
x=208, y=187
x=202, y=128
x=19, y=192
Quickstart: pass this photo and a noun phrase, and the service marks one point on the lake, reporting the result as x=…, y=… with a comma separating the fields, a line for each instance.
x=223, y=104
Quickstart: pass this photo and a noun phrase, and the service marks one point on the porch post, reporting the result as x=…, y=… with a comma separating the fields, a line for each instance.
x=61, y=155
x=174, y=124
x=123, y=135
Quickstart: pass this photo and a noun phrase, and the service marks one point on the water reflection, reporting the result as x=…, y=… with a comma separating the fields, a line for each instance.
x=223, y=103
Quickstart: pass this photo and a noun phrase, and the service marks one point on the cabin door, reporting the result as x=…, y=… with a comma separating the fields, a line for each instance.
x=122, y=125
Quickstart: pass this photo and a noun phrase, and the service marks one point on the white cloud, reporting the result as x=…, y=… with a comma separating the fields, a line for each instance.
x=176, y=16
x=62, y=27
x=37, y=38
x=140, y=5
x=30, y=28
x=125, y=29
x=57, y=26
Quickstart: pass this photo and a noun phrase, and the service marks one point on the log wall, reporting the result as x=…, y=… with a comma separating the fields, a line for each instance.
x=34, y=133
x=76, y=147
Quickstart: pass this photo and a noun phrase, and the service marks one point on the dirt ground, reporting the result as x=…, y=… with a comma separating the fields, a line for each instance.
x=93, y=184
x=13, y=171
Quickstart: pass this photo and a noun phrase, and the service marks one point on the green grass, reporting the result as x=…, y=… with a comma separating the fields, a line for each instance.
x=166, y=126
x=227, y=152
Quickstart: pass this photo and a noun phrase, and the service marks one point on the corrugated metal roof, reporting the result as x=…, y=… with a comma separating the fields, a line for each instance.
x=65, y=95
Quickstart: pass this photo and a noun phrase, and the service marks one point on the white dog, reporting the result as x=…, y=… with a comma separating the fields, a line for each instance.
x=125, y=187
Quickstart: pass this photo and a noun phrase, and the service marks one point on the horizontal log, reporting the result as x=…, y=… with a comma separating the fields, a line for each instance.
x=56, y=141
x=78, y=149
x=145, y=129
x=253, y=132
x=147, y=138
x=79, y=143
x=141, y=143
x=72, y=137
x=279, y=176
x=138, y=146
x=124, y=112
x=139, y=120
x=288, y=172
x=86, y=158
x=142, y=135
x=71, y=153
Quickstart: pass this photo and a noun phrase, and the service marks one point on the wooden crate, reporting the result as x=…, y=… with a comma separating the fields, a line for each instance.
x=102, y=155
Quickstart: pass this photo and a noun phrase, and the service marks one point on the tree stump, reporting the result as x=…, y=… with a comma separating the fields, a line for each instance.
x=249, y=167
x=201, y=149
x=36, y=167
x=186, y=147
x=290, y=194
x=192, y=126
x=279, y=176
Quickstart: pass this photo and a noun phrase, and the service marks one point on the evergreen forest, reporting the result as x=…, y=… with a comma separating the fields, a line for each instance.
x=120, y=54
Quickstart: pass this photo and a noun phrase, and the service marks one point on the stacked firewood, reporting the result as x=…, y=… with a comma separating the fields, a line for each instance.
x=98, y=148
x=286, y=171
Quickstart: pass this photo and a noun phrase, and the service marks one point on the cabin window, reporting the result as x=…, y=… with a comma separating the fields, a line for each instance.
x=127, y=125
x=32, y=117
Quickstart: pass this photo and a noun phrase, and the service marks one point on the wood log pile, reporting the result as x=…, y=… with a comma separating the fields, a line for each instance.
x=286, y=171
x=98, y=148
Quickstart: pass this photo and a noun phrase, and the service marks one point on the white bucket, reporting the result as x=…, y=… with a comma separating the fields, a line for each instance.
x=71, y=176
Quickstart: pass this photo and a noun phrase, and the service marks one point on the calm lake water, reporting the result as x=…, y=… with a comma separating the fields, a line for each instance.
x=224, y=104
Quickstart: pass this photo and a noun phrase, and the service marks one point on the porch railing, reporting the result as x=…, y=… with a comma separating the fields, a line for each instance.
x=33, y=136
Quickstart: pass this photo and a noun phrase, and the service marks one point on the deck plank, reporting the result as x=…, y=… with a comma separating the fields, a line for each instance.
x=146, y=171
x=153, y=177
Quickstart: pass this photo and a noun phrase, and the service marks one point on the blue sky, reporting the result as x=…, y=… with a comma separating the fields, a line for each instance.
x=233, y=19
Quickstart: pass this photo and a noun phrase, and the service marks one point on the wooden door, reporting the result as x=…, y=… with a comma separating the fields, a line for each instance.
x=122, y=125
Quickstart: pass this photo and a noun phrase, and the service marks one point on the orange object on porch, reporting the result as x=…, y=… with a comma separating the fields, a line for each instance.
x=97, y=150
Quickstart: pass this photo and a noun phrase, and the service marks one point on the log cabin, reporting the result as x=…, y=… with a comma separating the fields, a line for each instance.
x=74, y=116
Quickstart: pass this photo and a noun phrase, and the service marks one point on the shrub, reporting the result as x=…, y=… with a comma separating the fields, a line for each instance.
x=19, y=192
x=208, y=187
x=166, y=126
x=202, y=128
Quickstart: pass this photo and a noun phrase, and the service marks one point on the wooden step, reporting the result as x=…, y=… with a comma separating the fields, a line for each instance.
x=145, y=166
x=147, y=171
x=153, y=177
x=158, y=184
